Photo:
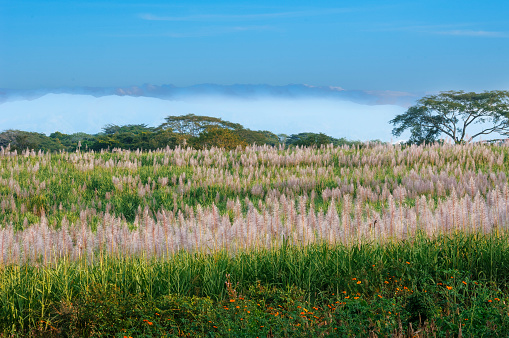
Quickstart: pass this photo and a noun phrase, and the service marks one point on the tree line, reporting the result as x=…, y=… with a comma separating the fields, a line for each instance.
x=199, y=132
x=448, y=113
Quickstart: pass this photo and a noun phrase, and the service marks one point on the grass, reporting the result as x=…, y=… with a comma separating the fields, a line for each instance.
x=434, y=284
x=403, y=241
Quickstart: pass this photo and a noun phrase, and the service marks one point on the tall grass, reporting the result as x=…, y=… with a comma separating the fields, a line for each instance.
x=374, y=221
x=31, y=295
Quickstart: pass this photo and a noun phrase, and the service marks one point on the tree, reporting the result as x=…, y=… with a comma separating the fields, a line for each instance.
x=217, y=137
x=451, y=113
x=21, y=140
x=315, y=139
x=71, y=142
x=111, y=129
x=193, y=125
x=259, y=137
x=309, y=139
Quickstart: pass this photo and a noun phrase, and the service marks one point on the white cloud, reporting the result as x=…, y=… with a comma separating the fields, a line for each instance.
x=244, y=17
x=477, y=33
x=453, y=29
x=74, y=113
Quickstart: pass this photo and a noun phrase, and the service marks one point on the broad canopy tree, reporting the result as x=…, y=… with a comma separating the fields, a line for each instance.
x=452, y=113
x=193, y=125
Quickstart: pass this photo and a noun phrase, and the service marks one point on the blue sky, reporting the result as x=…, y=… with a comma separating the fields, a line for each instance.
x=374, y=45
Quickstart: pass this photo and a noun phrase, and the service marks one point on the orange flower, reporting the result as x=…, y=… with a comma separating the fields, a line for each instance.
x=449, y=287
x=489, y=301
x=359, y=282
x=497, y=299
x=354, y=278
x=464, y=282
x=149, y=323
x=232, y=300
x=355, y=297
x=408, y=262
x=380, y=296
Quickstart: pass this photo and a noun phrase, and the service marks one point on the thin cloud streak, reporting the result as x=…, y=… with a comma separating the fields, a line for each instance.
x=444, y=29
x=479, y=33
x=243, y=17
x=217, y=31
x=205, y=32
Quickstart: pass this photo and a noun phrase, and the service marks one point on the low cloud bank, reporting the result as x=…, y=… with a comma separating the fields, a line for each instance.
x=69, y=113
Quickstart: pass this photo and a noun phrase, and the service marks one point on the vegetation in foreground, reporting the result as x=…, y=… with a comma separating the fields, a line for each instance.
x=443, y=286
x=329, y=241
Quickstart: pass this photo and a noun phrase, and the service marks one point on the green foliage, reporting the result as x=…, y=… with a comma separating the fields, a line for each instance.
x=314, y=139
x=71, y=142
x=451, y=113
x=257, y=137
x=193, y=125
x=196, y=130
x=111, y=129
x=183, y=131
x=22, y=140
x=384, y=289
x=217, y=137
x=135, y=139
x=309, y=139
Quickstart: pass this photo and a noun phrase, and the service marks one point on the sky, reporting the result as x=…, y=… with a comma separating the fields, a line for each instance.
x=419, y=46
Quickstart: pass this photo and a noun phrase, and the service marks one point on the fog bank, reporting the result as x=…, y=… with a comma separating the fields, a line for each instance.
x=70, y=113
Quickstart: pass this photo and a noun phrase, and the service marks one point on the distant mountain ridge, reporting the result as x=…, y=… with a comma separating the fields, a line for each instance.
x=245, y=91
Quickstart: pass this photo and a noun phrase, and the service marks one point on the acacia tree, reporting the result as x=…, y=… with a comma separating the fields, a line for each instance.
x=451, y=113
x=217, y=137
x=192, y=125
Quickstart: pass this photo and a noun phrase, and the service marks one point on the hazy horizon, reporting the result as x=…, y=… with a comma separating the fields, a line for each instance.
x=70, y=113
